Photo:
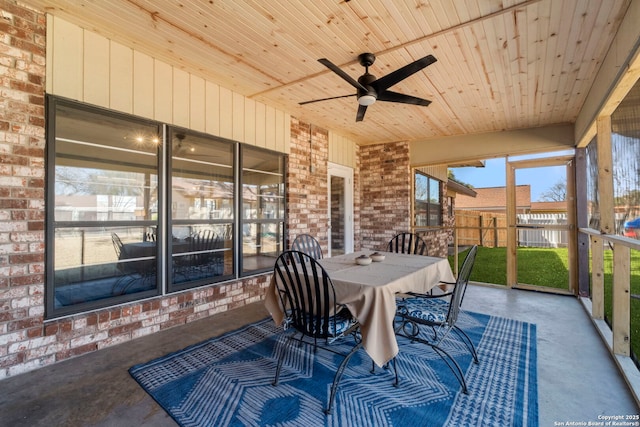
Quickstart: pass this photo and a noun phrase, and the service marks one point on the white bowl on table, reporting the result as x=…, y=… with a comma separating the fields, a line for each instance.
x=363, y=260
x=377, y=257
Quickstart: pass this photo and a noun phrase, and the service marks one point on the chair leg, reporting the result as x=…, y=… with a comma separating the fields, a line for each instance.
x=446, y=357
x=468, y=343
x=453, y=366
x=386, y=366
x=395, y=371
x=281, y=351
x=338, y=376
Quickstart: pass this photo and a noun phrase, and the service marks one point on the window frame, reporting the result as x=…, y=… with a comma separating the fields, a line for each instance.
x=427, y=203
x=163, y=222
x=204, y=281
x=282, y=230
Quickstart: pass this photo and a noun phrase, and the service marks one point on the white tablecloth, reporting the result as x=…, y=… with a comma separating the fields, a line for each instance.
x=370, y=293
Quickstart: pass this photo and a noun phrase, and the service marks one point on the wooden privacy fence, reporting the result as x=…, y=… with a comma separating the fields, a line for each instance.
x=489, y=229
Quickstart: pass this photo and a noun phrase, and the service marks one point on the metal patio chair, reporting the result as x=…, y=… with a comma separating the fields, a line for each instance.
x=307, y=244
x=408, y=243
x=440, y=313
x=306, y=290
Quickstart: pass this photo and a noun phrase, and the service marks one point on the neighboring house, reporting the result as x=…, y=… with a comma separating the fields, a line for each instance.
x=548, y=207
x=494, y=199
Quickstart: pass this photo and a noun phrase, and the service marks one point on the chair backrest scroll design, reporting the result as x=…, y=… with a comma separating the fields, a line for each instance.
x=307, y=244
x=407, y=243
x=306, y=289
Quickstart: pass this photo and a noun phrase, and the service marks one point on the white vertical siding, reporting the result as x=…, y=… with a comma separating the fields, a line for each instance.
x=65, y=69
x=162, y=92
x=143, y=85
x=437, y=171
x=121, y=78
x=181, y=98
x=342, y=150
x=212, y=108
x=88, y=67
x=197, y=104
x=95, y=84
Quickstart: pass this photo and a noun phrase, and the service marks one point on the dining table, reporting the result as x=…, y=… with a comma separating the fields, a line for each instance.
x=370, y=292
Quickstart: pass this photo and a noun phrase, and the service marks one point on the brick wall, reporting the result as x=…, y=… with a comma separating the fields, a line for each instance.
x=22, y=74
x=386, y=193
x=307, y=186
x=27, y=341
x=385, y=186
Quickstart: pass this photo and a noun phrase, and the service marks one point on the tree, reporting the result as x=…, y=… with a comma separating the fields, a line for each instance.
x=452, y=176
x=557, y=193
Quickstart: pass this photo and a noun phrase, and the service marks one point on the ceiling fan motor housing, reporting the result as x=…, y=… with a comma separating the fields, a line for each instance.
x=366, y=59
x=369, y=96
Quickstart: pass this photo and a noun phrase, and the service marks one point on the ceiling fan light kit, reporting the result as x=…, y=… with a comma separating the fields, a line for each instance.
x=369, y=89
x=366, y=100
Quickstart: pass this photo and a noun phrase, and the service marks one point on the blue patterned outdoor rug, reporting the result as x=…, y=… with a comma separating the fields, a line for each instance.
x=227, y=381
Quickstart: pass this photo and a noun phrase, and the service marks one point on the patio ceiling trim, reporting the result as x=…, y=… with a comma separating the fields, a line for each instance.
x=619, y=72
x=456, y=149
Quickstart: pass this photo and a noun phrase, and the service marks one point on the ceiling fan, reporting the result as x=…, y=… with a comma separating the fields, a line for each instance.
x=370, y=89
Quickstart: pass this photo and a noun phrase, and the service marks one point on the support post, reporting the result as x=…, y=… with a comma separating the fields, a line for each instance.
x=621, y=300
x=597, y=278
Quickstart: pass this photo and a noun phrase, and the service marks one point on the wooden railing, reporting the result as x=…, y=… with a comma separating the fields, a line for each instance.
x=618, y=336
x=621, y=291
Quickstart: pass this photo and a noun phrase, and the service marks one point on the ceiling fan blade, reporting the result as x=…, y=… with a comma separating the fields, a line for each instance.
x=390, y=96
x=330, y=65
x=402, y=73
x=325, y=99
x=361, y=110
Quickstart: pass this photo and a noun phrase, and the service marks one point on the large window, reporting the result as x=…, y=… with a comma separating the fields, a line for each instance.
x=262, y=208
x=136, y=208
x=427, y=204
x=202, y=209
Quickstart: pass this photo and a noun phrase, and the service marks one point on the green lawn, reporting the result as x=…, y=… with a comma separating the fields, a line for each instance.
x=548, y=267
x=536, y=266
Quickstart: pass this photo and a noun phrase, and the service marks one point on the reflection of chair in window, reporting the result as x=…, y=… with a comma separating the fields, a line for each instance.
x=135, y=274
x=306, y=289
x=125, y=279
x=307, y=244
x=205, y=245
x=150, y=236
x=201, y=258
x=440, y=313
x=407, y=243
x=117, y=245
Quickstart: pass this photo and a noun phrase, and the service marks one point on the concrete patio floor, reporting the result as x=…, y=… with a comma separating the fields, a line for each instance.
x=577, y=378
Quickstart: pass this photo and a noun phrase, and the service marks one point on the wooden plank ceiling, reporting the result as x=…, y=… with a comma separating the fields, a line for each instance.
x=501, y=64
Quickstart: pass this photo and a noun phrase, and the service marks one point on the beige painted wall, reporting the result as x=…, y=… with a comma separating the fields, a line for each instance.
x=342, y=150
x=88, y=67
x=456, y=149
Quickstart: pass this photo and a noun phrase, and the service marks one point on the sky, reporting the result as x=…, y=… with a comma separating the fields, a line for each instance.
x=493, y=175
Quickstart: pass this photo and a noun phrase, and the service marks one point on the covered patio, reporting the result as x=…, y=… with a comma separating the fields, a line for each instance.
x=96, y=389
x=111, y=104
